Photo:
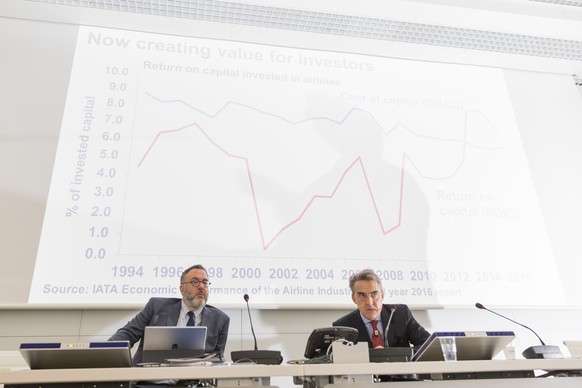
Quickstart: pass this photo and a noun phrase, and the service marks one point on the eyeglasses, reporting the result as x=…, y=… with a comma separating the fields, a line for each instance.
x=362, y=296
x=196, y=283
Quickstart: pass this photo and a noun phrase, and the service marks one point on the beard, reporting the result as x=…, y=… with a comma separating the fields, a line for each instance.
x=195, y=302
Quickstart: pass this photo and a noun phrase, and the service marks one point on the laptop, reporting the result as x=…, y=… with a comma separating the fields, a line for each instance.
x=471, y=345
x=163, y=343
x=57, y=355
x=574, y=347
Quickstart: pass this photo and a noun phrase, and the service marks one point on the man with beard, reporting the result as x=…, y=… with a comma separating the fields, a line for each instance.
x=190, y=310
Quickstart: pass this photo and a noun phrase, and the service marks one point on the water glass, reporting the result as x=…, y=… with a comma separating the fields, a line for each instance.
x=449, y=348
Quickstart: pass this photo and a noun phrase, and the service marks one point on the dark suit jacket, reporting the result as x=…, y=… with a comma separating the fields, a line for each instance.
x=166, y=312
x=404, y=330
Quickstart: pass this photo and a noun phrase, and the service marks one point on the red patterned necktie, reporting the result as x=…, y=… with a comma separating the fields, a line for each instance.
x=376, y=337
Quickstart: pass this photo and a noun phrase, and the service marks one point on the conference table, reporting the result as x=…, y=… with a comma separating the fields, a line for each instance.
x=514, y=373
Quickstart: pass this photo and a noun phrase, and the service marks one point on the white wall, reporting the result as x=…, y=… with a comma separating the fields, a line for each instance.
x=26, y=153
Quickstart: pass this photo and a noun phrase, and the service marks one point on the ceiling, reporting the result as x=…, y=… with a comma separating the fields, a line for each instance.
x=542, y=35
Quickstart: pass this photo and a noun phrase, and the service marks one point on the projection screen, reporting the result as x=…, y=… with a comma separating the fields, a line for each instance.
x=283, y=170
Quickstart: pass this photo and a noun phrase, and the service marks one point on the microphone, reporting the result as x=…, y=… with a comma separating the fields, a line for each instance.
x=386, y=344
x=388, y=354
x=246, y=297
x=256, y=356
x=543, y=351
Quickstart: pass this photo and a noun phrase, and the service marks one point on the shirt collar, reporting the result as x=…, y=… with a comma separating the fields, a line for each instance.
x=368, y=321
x=184, y=310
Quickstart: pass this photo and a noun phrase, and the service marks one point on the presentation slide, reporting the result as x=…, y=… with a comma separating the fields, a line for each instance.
x=284, y=171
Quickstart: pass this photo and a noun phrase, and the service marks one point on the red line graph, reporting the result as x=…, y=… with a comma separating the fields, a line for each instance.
x=266, y=243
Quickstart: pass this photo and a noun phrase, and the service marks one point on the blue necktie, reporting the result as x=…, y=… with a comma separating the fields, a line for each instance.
x=190, y=319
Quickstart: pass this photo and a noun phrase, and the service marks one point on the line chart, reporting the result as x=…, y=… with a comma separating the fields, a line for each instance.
x=474, y=132
x=340, y=121
x=292, y=178
x=266, y=242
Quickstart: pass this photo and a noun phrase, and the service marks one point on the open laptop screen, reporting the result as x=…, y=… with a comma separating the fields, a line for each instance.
x=56, y=355
x=471, y=345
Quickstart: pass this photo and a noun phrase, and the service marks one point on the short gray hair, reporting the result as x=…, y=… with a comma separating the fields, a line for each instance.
x=365, y=274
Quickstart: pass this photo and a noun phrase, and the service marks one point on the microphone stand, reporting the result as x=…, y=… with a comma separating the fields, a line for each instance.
x=267, y=357
x=386, y=344
x=536, y=351
x=246, y=297
x=394, y=354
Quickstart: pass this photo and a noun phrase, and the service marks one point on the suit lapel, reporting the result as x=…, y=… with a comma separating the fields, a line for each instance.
x=385, y=314
x=206, y=317
x=174, y=314
x=361, y=327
